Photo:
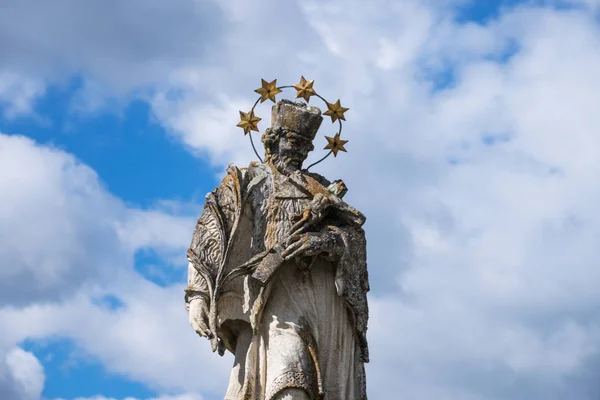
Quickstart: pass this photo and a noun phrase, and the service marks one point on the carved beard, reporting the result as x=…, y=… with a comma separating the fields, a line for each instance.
x=286, y=163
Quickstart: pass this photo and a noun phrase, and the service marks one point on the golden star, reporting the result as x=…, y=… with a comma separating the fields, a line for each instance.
x=305, y=89
x=268, y=90
x=336, y=111
x=335, y=144
x=248, y=121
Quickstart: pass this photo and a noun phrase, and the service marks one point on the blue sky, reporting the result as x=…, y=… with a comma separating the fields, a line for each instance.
x=473, y=153
x=137, y=160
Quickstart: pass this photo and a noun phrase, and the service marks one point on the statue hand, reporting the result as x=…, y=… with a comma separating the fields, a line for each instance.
x=198, y=316
x=310, y=244
x=311, y=215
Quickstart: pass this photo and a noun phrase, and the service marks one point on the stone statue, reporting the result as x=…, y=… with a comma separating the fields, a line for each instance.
x=277, y=273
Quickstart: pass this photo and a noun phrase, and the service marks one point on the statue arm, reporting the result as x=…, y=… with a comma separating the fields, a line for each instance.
x=201, y=271
x=197, y=302
x=352, y=279
x=197, y=288
x=206, y=253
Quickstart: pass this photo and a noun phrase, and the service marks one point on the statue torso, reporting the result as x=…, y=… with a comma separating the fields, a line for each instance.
x=275, y=201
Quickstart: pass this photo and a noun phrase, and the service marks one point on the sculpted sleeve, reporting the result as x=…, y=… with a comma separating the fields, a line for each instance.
x=352, y=282
x=209, y=239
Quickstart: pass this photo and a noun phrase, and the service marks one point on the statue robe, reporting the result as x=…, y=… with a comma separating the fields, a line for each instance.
x=306, y=327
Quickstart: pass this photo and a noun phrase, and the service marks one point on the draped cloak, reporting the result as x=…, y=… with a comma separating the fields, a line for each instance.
x=306, y=326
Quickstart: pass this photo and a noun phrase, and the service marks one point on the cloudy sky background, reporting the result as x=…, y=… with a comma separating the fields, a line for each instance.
x=474, y=152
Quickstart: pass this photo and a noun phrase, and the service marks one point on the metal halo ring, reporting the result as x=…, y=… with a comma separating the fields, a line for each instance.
x=315, y=94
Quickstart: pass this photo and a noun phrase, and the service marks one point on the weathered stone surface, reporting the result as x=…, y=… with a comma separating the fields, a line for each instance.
x=278, y=276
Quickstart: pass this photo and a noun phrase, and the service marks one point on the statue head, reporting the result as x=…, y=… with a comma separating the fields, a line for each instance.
x=289, y=139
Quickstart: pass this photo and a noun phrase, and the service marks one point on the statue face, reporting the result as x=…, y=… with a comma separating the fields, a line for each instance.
x=293, y=149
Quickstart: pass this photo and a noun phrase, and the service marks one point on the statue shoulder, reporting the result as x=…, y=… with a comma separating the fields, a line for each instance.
x=318, y=177
x=235, y=177
x=256, y=173
x=239, y=181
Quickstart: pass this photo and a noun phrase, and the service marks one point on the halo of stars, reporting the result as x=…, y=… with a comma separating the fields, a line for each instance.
x=305, y=90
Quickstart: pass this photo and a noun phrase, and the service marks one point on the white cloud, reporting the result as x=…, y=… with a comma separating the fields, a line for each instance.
x=178, y=397
x=115, y=51
x=75, y=243
x=484, y=269
x=147, y=340
x=147, y=229
x=494, y=257
x=21, y=375
x=18, y=93
x=53, y=233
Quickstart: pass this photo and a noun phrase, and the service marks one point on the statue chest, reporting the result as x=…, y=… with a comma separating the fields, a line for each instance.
x=289, y=197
